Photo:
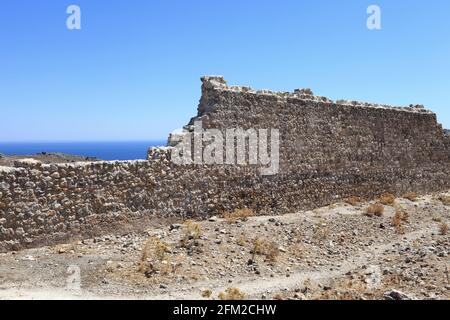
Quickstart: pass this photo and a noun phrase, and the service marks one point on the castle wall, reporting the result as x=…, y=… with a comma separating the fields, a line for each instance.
x=328, y=151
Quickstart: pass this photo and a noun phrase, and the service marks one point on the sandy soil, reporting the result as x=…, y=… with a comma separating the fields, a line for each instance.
x=335, y=252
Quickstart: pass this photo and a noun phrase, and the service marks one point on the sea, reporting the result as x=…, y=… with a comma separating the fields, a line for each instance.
x=119, y=150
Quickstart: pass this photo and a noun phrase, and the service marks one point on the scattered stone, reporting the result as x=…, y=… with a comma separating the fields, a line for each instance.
x=396, y=295
x=175, y=226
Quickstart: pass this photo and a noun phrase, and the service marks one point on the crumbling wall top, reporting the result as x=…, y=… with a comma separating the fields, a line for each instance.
x=219, y=83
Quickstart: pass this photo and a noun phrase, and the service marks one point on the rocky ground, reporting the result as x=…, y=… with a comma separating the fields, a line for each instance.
x=335, y=252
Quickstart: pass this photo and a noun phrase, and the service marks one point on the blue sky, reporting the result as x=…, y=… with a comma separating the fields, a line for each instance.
x=132, y=72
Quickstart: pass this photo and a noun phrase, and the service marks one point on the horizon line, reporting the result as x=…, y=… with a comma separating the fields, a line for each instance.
x=81, y=141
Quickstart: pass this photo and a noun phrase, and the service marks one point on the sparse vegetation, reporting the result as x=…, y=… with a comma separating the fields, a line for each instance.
x=444, y=199
x=443, y=228
x=387, y=199
x=353, y=200
x=279, y=297
x=206, y=293
x=238, y=214
x=411, y=196
x=192, y=231
x=257, y=247
x=267, y=248
x=375, y=209
x=153, y=257
x=271, y=251
x=400, y=216
x=232, y=294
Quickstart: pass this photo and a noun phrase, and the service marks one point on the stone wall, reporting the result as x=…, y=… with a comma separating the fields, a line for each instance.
x=329, y=150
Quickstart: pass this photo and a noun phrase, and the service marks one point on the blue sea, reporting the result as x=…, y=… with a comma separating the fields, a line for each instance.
x=131, y=150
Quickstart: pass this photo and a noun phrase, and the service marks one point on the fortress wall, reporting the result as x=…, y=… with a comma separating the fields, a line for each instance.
x=328, y=151
x=320, y=135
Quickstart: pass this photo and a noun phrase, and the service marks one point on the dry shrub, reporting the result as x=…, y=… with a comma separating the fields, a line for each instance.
x=279, y=297
x=269, y=249
x=400, y=216
x=443, y=228
x=238, y=214
x=192, y=231
x=153, y=257
x=444, y=199
x=394, y=279
x=375, y=209
x=232, y=294
x=387, y=199
x=206, y=293
x=400, y=211
x=257, y=247
x=353, y=200
x=411, y=196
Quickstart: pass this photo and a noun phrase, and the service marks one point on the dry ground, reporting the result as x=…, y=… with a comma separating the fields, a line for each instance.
x=335, y=252
x=45, y=157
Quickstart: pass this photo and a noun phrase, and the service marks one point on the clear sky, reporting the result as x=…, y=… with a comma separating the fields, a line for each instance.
x=132, y=71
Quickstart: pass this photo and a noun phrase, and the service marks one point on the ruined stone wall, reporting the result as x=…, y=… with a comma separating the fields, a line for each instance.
x=320, y=135
x=329, y=150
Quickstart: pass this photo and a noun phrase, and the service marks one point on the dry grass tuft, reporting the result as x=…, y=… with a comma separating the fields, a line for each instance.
x=238, y=214
x=232, y=294
x=269, y=249
x=153, y=257
x=279, y=297
x=400, y=216
x=353, y=200
x=192, y=231
x=375, y=209
x=443, y=228
x=444, y=199
x=411, y=196
x=206, y=293
x=387, y=199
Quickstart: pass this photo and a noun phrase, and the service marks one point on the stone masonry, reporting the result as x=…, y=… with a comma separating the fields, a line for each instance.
x=329, y=150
